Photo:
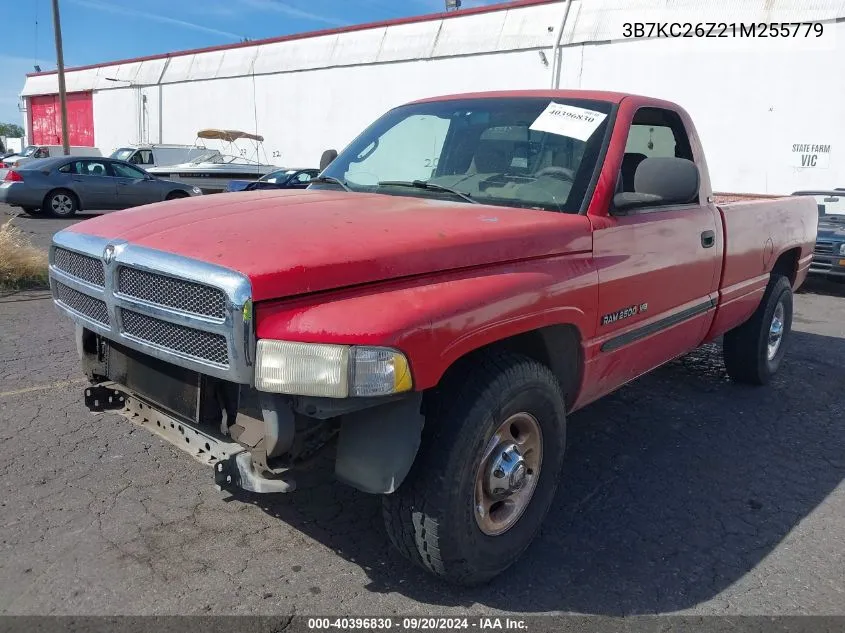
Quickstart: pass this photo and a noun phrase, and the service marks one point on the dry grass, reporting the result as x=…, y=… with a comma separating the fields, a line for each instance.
x=22, y=265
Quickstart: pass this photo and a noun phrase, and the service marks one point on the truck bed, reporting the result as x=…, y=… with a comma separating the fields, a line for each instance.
x=757, y=234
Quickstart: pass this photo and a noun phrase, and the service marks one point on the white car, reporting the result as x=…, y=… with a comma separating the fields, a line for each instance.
x=31, y=152
x=147, y=156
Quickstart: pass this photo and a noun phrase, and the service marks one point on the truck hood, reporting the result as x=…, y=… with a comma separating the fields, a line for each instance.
x=831, y=229
x=296, y=242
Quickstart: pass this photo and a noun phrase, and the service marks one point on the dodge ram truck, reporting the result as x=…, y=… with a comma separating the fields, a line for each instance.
x=467, y=273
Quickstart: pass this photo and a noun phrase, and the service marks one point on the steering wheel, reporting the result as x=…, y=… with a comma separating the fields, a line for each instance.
x=557, y=172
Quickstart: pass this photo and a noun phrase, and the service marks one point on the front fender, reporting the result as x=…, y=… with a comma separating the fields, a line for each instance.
x=437, y=320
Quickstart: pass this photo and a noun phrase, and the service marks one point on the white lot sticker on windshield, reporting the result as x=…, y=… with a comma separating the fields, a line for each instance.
x=567, y=120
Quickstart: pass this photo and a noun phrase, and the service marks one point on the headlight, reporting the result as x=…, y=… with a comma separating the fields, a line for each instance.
x=196, y=190
x=842, y=249
x=331, y=371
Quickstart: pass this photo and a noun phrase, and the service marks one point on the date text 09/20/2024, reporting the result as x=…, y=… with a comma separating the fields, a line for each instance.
x=416, y=624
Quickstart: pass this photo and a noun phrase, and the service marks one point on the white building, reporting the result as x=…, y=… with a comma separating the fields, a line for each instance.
x=761, y=104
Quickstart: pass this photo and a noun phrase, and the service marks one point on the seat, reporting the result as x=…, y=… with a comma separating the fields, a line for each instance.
x=98, y=170
x=491, y=158
x=630, y=162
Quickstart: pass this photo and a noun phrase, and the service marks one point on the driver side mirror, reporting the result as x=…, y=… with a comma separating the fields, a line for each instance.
x=660, y=181
x=326, y=159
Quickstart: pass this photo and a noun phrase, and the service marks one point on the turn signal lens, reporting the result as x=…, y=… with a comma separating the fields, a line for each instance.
x=378, y=371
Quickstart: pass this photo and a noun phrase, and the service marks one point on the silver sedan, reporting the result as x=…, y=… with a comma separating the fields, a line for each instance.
x=62, y=186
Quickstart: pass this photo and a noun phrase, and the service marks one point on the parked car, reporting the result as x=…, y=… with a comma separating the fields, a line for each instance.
x=33, y=152
x=468, y=272
x=281, y=179
x=147, y=156
x=829, y=252
x=63, y=186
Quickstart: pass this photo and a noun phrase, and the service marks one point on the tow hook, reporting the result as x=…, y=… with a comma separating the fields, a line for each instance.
x=99, y=398
x=238, y=471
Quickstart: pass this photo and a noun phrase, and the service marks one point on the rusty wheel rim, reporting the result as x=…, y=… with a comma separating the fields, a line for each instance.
x=508, y=473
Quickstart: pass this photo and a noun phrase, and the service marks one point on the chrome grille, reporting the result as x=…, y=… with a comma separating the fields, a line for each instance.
x=170, y=292
x=94, y=309
x=82, y=267
x=182, y=311
x=824, y=248
x=203, y=345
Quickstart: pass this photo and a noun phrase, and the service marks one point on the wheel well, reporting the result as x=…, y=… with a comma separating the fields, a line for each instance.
x=56, y=190
x=787, y=264
x=558, y=347
x=176, y=193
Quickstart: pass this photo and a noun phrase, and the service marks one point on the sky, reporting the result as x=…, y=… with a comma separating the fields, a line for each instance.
x=96, y=31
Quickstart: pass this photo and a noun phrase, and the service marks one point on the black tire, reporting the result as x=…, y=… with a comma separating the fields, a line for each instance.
x=60, y=203
x=176, y=195
x=431, y=518
x=746, y=347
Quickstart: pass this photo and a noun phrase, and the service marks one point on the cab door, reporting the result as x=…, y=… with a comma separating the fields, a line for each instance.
x=134, y=187
x=658, y=267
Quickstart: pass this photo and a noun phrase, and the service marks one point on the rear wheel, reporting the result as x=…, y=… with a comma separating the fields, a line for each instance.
x=60, y=203
x=753, y=351
x=486, y=471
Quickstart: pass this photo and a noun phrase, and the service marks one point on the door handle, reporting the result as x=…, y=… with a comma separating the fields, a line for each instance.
x=708, y=239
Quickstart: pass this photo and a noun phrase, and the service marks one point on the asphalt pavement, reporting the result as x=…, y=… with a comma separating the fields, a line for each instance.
x=682, y=492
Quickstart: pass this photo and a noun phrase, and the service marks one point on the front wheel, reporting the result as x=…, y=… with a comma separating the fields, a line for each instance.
x=176, y=195
x=486, y=472
x=754, y=350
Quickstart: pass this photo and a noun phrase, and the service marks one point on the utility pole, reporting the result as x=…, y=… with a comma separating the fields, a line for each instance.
x=60, y=63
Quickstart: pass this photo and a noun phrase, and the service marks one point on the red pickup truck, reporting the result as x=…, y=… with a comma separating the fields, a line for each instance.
x=465, y=274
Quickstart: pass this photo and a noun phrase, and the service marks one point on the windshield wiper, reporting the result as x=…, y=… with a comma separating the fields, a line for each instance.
x=333, y=180
x=422, y=184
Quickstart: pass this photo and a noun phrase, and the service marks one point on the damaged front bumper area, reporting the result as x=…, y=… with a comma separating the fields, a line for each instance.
x=254, y=441
x=233, y=462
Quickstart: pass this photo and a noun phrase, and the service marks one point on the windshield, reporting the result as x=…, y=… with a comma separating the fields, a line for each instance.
x=124, y=153
x=521, y=152
x=29, y=150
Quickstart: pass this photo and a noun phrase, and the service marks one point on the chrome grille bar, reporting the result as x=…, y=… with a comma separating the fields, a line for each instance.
x=824, y=248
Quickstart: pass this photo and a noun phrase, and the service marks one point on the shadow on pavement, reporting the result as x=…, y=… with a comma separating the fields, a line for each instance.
x=821, y=286
x=673, y=489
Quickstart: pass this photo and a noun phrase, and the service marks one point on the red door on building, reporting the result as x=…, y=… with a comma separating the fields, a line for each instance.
x=45, y=119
